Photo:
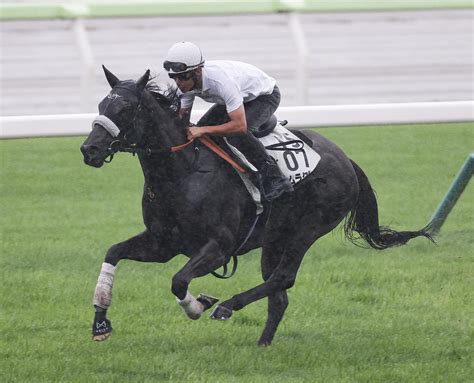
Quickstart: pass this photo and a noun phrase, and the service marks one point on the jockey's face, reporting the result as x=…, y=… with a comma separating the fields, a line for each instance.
x=187, y=81
x=185, y=84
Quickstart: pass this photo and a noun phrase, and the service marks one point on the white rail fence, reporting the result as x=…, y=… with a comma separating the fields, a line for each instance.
x=299, y=117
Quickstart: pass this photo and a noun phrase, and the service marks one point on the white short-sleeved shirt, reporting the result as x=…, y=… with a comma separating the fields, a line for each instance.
x=229, y=83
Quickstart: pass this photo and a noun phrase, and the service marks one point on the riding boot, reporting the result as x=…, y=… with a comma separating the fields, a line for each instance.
x=269, y=179
x=273, y=180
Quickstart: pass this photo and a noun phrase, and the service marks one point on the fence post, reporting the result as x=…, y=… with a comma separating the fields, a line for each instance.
x=454, y=192
x=87, y=63
x=302, y=59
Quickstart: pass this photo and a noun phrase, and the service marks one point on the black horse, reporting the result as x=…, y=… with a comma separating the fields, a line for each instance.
x=195, y=204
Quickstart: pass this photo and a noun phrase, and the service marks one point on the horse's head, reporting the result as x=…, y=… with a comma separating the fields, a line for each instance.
x=115, y=126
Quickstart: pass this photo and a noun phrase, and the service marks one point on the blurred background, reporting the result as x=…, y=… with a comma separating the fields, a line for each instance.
x=320, y=52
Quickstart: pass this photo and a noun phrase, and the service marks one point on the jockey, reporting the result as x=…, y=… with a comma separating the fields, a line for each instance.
x=244, y=98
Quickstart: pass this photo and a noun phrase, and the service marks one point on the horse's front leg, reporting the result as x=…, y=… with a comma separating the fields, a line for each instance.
x=144, y=247
x=209, y=258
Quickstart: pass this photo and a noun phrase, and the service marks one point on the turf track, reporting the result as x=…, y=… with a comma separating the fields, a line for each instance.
x=355, y=315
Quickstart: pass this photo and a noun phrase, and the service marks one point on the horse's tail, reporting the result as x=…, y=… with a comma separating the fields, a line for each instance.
x=363, y=219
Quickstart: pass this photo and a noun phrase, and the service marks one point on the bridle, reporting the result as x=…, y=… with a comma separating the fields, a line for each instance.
x=117, y=146
x=122, y=142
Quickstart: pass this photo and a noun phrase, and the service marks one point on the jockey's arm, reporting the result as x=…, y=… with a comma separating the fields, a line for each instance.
x=236, y=126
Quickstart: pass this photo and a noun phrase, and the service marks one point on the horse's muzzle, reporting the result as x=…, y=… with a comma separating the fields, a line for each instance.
x=92, y=155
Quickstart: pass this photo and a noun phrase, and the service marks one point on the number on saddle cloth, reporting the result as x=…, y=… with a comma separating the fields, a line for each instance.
x=295, y=156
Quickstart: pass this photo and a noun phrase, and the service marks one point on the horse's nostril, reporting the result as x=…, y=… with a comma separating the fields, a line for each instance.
x=89, y=150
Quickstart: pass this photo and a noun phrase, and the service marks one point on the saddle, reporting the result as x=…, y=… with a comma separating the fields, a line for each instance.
x=291, y=150
x=280, y=143
x=267, y=127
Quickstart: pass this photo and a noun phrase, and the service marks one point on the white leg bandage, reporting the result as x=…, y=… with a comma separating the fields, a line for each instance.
x=191, y=306
x=103, y=289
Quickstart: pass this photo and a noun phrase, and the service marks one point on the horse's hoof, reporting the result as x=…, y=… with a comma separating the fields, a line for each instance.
x=101, y=329
x=221, y=313
x=207, y=301
x=102, y=337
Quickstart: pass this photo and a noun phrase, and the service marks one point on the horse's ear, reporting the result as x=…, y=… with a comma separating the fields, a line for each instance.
x=142, y=81
x=111, y=78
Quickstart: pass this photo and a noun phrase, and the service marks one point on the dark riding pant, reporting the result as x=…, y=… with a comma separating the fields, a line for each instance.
x=257, y=112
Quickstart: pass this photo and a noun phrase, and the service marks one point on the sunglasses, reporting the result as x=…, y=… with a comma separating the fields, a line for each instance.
x=180, y=76
x=175, y=66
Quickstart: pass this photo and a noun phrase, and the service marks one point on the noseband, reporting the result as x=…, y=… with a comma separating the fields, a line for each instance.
x=113, y=130
x=121, y=144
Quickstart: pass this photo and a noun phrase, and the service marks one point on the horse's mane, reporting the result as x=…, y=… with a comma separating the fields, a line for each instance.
x=168, y=99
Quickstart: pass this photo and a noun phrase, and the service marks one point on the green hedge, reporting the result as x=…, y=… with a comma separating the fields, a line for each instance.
x=14, y=11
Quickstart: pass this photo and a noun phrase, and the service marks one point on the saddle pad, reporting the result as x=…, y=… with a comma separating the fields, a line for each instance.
x=295, y=159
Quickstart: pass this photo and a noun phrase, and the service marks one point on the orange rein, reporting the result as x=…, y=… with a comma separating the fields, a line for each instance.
x=212, y=146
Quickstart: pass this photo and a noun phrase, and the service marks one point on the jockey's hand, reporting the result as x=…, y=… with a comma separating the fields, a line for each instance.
x=194, y=132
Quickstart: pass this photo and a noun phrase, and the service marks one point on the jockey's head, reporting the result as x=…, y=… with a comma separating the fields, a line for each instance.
x=183, y=62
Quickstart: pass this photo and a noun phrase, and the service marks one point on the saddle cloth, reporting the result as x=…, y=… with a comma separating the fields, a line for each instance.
x=294, y=157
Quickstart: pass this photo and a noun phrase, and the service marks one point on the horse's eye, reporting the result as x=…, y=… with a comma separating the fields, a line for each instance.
x=126, y=107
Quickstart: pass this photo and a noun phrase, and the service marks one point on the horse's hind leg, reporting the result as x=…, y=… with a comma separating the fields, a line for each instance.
x=143, y=247
x=277, y=304
x=283, y=276
x=289, y=250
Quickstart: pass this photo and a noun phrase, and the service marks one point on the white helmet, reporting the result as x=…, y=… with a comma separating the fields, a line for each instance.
x=183, y=57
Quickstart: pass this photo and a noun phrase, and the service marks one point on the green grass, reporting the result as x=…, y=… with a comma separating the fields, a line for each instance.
x=355, y=315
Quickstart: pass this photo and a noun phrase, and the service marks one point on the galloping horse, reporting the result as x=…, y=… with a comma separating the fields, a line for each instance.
x=195, y=204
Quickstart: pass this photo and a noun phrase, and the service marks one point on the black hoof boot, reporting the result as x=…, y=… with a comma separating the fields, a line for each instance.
x=207, y=301
x=101, y=328
x=221, y=313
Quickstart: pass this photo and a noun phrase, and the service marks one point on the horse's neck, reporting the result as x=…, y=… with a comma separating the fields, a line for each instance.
x=168, y=167
x=165, y=169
